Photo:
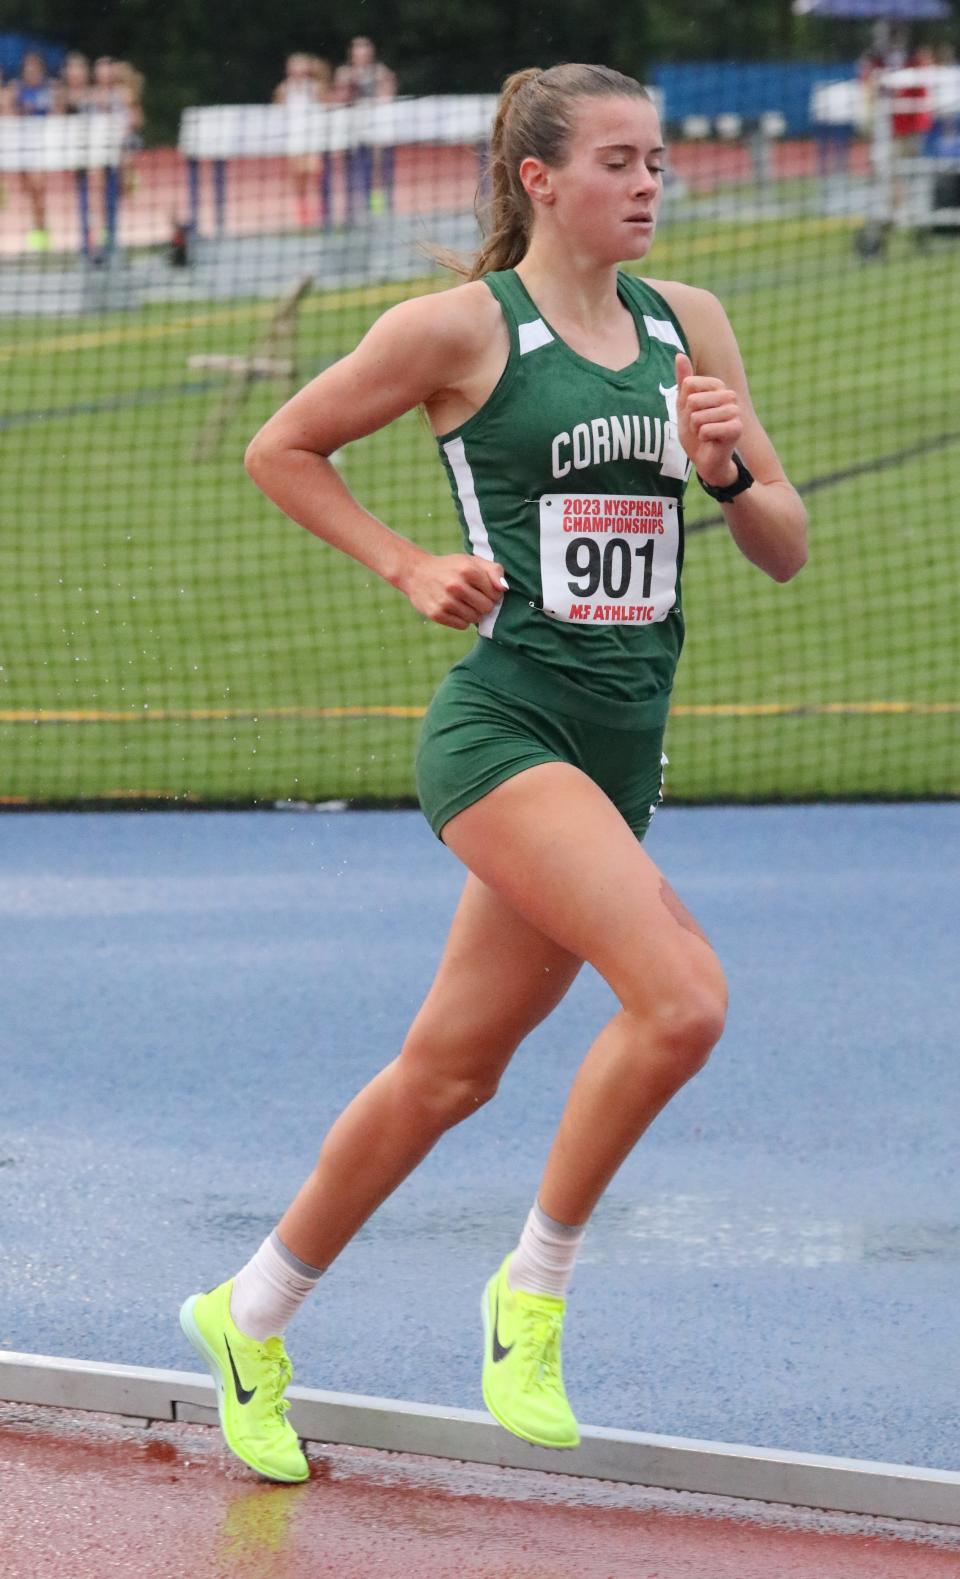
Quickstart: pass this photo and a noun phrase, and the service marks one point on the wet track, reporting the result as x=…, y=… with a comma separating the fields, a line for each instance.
x=188, y=1000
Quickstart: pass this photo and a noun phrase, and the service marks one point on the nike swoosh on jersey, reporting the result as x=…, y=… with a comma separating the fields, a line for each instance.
x=244, y=1394
x=499, y=1352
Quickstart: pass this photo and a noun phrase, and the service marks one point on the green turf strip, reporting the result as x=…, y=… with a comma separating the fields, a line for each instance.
x=134, y=579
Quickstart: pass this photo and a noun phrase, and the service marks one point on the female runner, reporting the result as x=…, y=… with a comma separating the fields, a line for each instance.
x=569, y=401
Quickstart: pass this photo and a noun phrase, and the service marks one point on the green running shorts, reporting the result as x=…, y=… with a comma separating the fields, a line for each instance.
x=497, y=713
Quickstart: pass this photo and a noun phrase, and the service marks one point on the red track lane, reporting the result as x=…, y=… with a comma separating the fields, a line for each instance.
x=94, y=1496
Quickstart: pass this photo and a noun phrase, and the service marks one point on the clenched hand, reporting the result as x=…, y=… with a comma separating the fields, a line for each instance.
x=709, y=423
x=454, y=589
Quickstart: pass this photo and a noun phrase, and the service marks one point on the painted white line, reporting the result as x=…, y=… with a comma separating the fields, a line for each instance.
x=807, y=1480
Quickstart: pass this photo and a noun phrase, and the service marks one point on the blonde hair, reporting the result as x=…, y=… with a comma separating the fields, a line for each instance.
x=534, y=119
x=130, y=78
x=322, y=71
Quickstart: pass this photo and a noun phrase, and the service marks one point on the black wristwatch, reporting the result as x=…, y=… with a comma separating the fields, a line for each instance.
x=744, y=480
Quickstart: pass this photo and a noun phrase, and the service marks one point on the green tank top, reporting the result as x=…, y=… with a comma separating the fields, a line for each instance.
x=572, y=477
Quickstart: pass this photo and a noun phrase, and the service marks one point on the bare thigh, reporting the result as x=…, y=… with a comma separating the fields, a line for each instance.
x=499, y=976
x=552, y=845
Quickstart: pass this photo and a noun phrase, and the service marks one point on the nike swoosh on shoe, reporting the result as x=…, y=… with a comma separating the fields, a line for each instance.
x=499, y=1352
x=244, y=1394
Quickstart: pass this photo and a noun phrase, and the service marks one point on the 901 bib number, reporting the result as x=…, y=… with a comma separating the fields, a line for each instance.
x=591, y=568
x=608, y=558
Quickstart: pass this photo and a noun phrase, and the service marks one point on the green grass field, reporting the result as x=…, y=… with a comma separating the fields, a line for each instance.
x=167, y=634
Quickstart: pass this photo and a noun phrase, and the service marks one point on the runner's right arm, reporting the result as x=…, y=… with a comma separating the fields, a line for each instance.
x=402, y=362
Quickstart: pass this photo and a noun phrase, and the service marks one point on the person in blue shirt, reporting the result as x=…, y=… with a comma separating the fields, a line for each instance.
x=33, y=93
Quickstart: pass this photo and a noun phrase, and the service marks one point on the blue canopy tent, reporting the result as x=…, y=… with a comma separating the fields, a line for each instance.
x=13, y=47
x=875, y=10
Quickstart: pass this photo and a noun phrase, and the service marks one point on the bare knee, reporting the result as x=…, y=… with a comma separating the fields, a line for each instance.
x=689, y=1026
x=685, y=1021
x=443, y=1097
x=445, y=1100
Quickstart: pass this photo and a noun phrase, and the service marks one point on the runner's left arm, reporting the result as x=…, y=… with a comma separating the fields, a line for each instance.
x=715, y=416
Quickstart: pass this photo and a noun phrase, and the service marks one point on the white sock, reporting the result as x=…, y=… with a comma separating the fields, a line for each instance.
x=543, y=1261
x=270, y=1289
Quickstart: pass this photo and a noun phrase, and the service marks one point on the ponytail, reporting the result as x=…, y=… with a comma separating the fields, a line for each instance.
x=506, y=222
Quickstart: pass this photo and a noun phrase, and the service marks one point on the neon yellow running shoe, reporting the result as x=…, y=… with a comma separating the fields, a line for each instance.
x=522, y=1373
x=251, y=1380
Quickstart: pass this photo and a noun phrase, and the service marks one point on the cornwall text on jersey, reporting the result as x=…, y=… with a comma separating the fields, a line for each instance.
x=630, y=437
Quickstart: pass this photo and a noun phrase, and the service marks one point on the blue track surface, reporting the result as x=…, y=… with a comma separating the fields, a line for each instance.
x=188, y=1001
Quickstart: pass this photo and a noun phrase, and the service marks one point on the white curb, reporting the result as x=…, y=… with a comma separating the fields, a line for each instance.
x=845, y=1485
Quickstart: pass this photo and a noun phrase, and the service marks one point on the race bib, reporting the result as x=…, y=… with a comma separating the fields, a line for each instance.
x=608, y=558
